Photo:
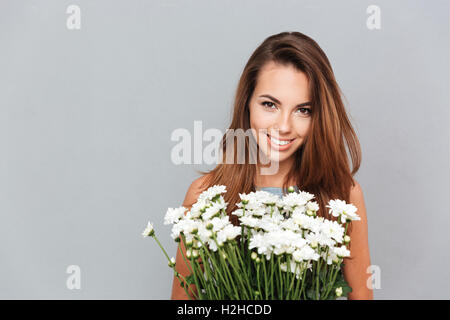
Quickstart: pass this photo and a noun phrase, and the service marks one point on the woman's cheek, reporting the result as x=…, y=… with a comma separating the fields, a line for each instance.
x=263, y=120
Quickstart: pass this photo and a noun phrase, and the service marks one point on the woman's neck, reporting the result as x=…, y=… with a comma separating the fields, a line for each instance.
x=277, y=179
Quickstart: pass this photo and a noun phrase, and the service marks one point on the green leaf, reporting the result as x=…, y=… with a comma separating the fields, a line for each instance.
x=190, y=279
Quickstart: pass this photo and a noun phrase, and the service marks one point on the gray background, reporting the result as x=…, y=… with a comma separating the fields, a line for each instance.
x=86, y=117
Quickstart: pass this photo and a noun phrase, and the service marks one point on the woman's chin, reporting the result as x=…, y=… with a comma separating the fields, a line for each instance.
x=275, y=156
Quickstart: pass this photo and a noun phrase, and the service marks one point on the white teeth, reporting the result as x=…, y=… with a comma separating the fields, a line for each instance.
x=281, y=143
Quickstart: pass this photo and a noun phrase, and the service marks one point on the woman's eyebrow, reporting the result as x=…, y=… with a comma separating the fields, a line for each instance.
x=308, y=103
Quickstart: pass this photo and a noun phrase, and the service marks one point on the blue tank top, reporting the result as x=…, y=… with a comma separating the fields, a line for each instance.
x=275, y=190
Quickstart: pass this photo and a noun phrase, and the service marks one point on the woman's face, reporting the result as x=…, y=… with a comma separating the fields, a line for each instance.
x=278, y=111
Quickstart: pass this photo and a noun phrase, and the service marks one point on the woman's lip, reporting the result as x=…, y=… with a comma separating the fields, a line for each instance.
x=279, y=138
x=277, y=146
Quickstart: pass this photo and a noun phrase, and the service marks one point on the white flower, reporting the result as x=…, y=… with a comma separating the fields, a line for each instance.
x=219, y=223
x=330, y=257
x=292, y=200
x=342, y=252
x=196, y=210
x=339, y=292
x=305, y=253
x=212, y=192
x=267, y=224
x=176, y=229
x=231, y=232
x=174, y=215
x=313, y=206
x=319, y=238
x=289, y=224
x=213, y=210
x=250, y=221
x=260, y=242
x=332, y=229
x=306, y=222
x=257, y=199
x=339, y=208
x=238, y=212
x=204, y=234
x=188, y=226
x=149, y=231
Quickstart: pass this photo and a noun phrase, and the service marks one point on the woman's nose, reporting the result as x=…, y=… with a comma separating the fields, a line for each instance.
x=283, y=123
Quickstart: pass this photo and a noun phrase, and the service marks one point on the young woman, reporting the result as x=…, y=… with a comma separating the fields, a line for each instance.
x=289, y=99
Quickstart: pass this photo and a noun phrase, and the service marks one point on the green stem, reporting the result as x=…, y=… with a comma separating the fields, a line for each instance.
x=209, y=273
x=241, y=272
x=281, y=283
x=266, y=289
x=271, y=275
x=178, y=275
x=258, y=280
x=288, y=295
x=199, y=288
x=225, y=265
x=216, y=268
x=338, y=268
x=159, y=244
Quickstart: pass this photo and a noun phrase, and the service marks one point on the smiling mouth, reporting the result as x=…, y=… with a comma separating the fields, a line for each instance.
x=280, y=142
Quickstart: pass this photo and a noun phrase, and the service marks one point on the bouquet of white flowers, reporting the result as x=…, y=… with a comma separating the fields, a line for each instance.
x=281, y=250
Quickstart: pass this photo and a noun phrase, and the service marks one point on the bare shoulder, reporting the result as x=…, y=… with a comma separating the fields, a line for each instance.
x=356, y=190
x=357, y=198
x=194, y=190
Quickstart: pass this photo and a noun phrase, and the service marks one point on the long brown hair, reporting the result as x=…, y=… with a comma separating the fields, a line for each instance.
x=321, y=164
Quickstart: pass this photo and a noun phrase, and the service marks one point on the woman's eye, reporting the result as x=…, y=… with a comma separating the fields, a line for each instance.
x=269, y=105
x=304, y=111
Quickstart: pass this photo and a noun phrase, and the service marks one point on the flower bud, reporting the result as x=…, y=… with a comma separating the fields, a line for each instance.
x=339, y=292
x=291, y=189
x=195, y=253
x=177, y=239
x=171, y=262
x=149, y=230
x=313, y=244
x=209, y=226
x=188, y=253
x=346, y=239
x=188, y=243
x=224, y=255
x=254, y=255
x=258, y=260
x=336, y=260
x=244, y=201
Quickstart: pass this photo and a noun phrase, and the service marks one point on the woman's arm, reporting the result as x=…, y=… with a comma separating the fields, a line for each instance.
x=355, y=268
x=178, y=292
